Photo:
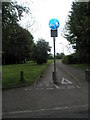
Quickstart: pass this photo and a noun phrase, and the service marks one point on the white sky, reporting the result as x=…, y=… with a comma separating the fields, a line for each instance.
x=42, y=11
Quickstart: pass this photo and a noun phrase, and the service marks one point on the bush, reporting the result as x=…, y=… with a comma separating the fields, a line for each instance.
x=59, y=56
x=65, y=59
x=70, y=59
x=40, y=53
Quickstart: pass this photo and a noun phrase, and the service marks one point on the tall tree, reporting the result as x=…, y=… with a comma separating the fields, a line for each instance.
x=16, y=41
x=77, y=28
x=20, y=43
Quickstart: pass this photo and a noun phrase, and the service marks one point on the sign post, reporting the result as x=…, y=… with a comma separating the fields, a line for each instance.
x=54, y=24
x=54, y=76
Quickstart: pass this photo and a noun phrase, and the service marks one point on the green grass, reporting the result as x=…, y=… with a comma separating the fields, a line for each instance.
x=81, y=66
x=11, y=74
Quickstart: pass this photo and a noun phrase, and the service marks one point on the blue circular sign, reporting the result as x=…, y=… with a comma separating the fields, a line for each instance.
x=54, y=24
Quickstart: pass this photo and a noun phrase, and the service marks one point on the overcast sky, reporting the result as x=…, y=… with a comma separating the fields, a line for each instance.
x=42, y=11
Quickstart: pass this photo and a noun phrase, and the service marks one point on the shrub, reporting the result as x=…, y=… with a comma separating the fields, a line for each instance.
x=70, y=59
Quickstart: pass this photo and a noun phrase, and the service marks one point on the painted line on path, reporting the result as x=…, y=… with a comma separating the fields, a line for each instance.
x=65, y=81
x=57, y=87
x=74, y=78
x=46, y=109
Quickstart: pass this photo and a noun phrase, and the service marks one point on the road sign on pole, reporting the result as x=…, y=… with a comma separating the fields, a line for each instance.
x=54, y=24
x=54, y=33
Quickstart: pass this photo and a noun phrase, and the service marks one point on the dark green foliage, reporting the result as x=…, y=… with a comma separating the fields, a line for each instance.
x=40, y=53
x=17, y=42
x=59, y=56
x=12, y=13
x=65, y=59
x=17, y=45
x=78, y=29
x=70, y=59
x=50, y=56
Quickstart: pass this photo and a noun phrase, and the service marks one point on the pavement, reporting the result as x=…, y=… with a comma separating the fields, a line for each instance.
x=67, y=99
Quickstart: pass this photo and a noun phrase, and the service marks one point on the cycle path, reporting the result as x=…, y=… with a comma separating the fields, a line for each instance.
x=40, y=99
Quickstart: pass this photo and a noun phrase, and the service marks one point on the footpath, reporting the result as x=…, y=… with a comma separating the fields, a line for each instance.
x=67, y=99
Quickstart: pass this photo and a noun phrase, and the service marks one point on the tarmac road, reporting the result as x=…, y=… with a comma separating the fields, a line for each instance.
x=67, y=99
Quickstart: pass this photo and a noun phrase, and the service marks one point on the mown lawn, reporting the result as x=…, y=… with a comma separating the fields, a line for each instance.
x=81, y=66
x=11, y=74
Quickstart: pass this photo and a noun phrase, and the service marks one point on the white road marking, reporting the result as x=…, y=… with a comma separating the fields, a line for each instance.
x=52, y=88
x=65, y=81
x=56, y=86
x=46, y=109
x=78, y=86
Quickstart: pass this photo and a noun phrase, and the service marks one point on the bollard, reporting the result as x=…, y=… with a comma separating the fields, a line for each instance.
x=87, y=75
x=22, y=76
x=54, y=77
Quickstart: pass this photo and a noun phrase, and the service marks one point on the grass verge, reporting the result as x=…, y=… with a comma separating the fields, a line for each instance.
x=11, y=74
x=81, y=66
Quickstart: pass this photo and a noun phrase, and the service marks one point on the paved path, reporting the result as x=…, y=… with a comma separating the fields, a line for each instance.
x=67, y=99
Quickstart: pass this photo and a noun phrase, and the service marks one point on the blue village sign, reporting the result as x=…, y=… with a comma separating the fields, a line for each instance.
x=54, y=24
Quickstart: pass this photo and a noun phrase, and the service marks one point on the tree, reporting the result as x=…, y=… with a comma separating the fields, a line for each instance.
x=16, y=41
x=12, y=13
x=21, y=44
x=18, y=45
x=41, y=49
x=76, y=29
x=59, y=55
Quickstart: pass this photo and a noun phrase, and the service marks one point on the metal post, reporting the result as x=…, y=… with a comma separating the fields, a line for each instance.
x=54, y=80
x=22, y=76
x=87, y=75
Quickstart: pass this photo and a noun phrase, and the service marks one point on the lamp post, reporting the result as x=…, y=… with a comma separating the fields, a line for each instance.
x=54, y=24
